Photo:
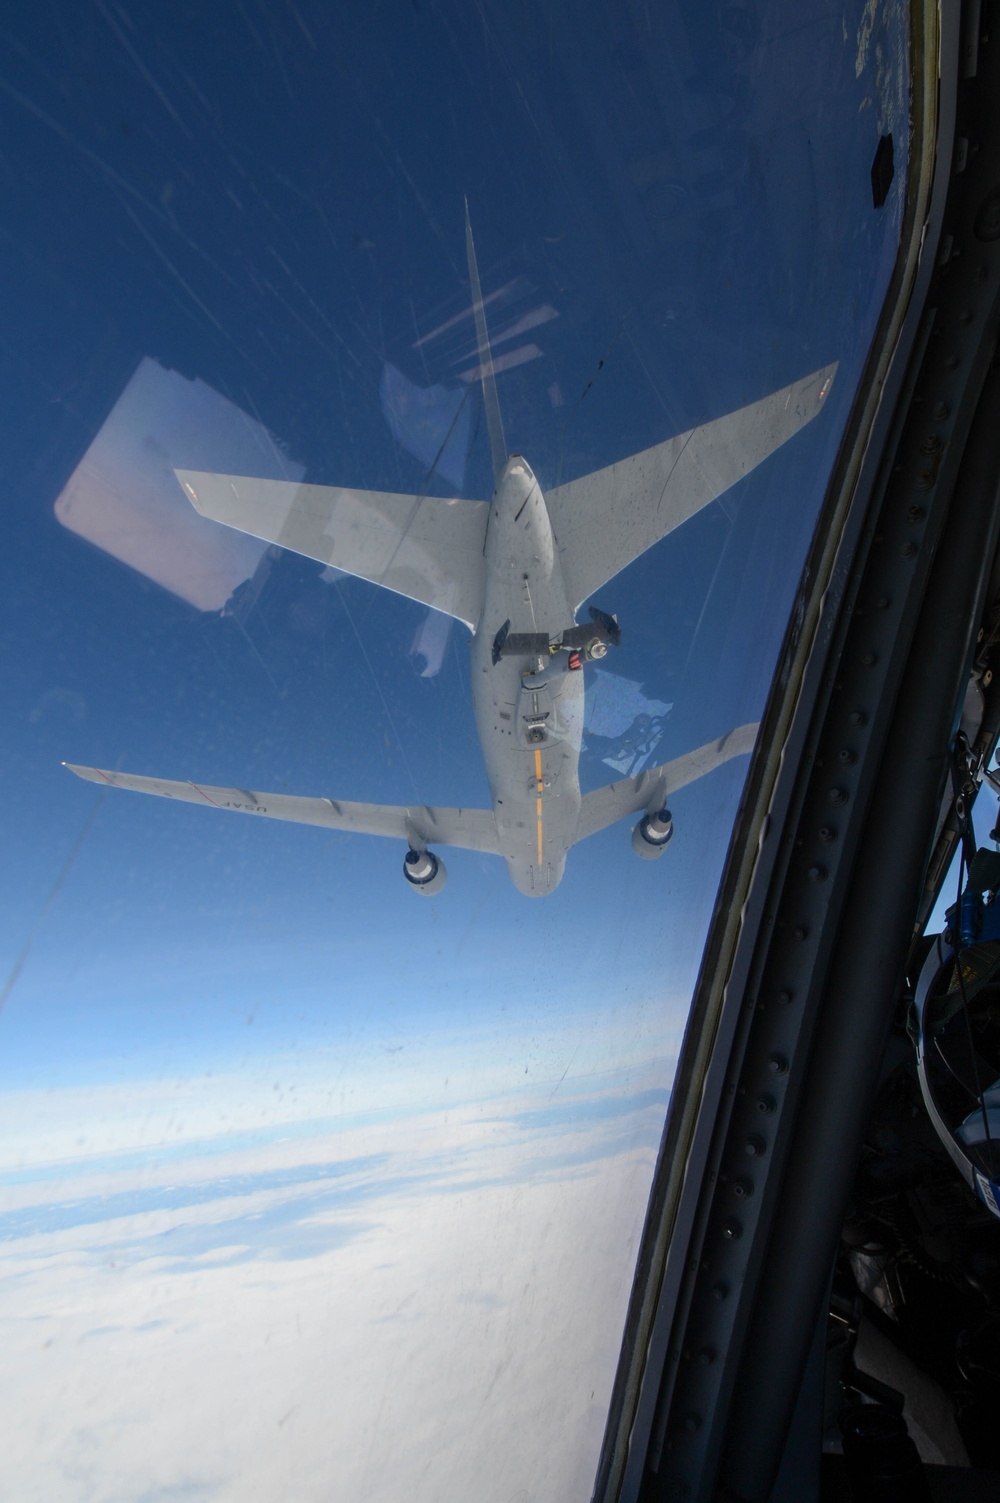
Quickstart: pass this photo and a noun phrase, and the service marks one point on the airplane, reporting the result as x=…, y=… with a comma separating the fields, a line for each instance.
x=516, y=571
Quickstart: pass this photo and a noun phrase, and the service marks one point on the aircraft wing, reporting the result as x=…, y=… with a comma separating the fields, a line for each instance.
x=470, y=829
x=425, y=547
x=650, y=790
x=605, y=520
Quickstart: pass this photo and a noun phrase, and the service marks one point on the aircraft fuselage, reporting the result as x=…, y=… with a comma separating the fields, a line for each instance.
x=500, y=569
x=530, y=722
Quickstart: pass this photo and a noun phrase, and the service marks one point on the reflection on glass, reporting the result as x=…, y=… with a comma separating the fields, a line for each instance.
x=123, y=494
x=622, y=725
x=309, y=1188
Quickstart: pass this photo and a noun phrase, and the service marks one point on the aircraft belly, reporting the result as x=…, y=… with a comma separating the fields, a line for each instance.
x=529, y=710
x=535, y=788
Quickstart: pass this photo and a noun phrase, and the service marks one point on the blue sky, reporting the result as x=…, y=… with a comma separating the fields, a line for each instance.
x=674, y=209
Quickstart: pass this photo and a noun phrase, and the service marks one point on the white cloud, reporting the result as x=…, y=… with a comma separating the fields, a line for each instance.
x=425, y=1307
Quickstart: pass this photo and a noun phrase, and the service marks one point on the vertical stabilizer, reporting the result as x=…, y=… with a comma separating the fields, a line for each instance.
x=498, y=447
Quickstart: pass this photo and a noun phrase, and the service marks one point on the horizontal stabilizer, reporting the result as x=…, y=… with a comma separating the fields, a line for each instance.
x=428, y=548
x=650, y=790
x=605, y=520
x=420, y=825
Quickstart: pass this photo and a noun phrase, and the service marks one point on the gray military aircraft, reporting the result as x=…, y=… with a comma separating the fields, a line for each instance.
x=515, y=570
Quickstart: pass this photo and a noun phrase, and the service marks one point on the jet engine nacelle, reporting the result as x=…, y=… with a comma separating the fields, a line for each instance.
x=651, y=835
x=425, y=872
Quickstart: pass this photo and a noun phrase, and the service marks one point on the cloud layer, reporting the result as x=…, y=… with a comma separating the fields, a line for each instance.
x=426, y=1305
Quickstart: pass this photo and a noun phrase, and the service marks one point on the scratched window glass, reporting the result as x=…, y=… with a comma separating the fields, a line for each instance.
x=415, y=420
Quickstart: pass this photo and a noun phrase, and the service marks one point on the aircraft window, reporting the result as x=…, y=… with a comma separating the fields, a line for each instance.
x=333, y=333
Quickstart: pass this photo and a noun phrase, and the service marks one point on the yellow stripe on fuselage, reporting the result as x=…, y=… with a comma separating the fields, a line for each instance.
x=538, y=800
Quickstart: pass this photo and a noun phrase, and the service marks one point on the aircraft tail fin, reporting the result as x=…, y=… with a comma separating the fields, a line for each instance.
x=498, y=446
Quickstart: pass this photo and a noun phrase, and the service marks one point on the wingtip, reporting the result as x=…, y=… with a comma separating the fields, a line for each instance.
x=88, y=774
x=185, y=479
